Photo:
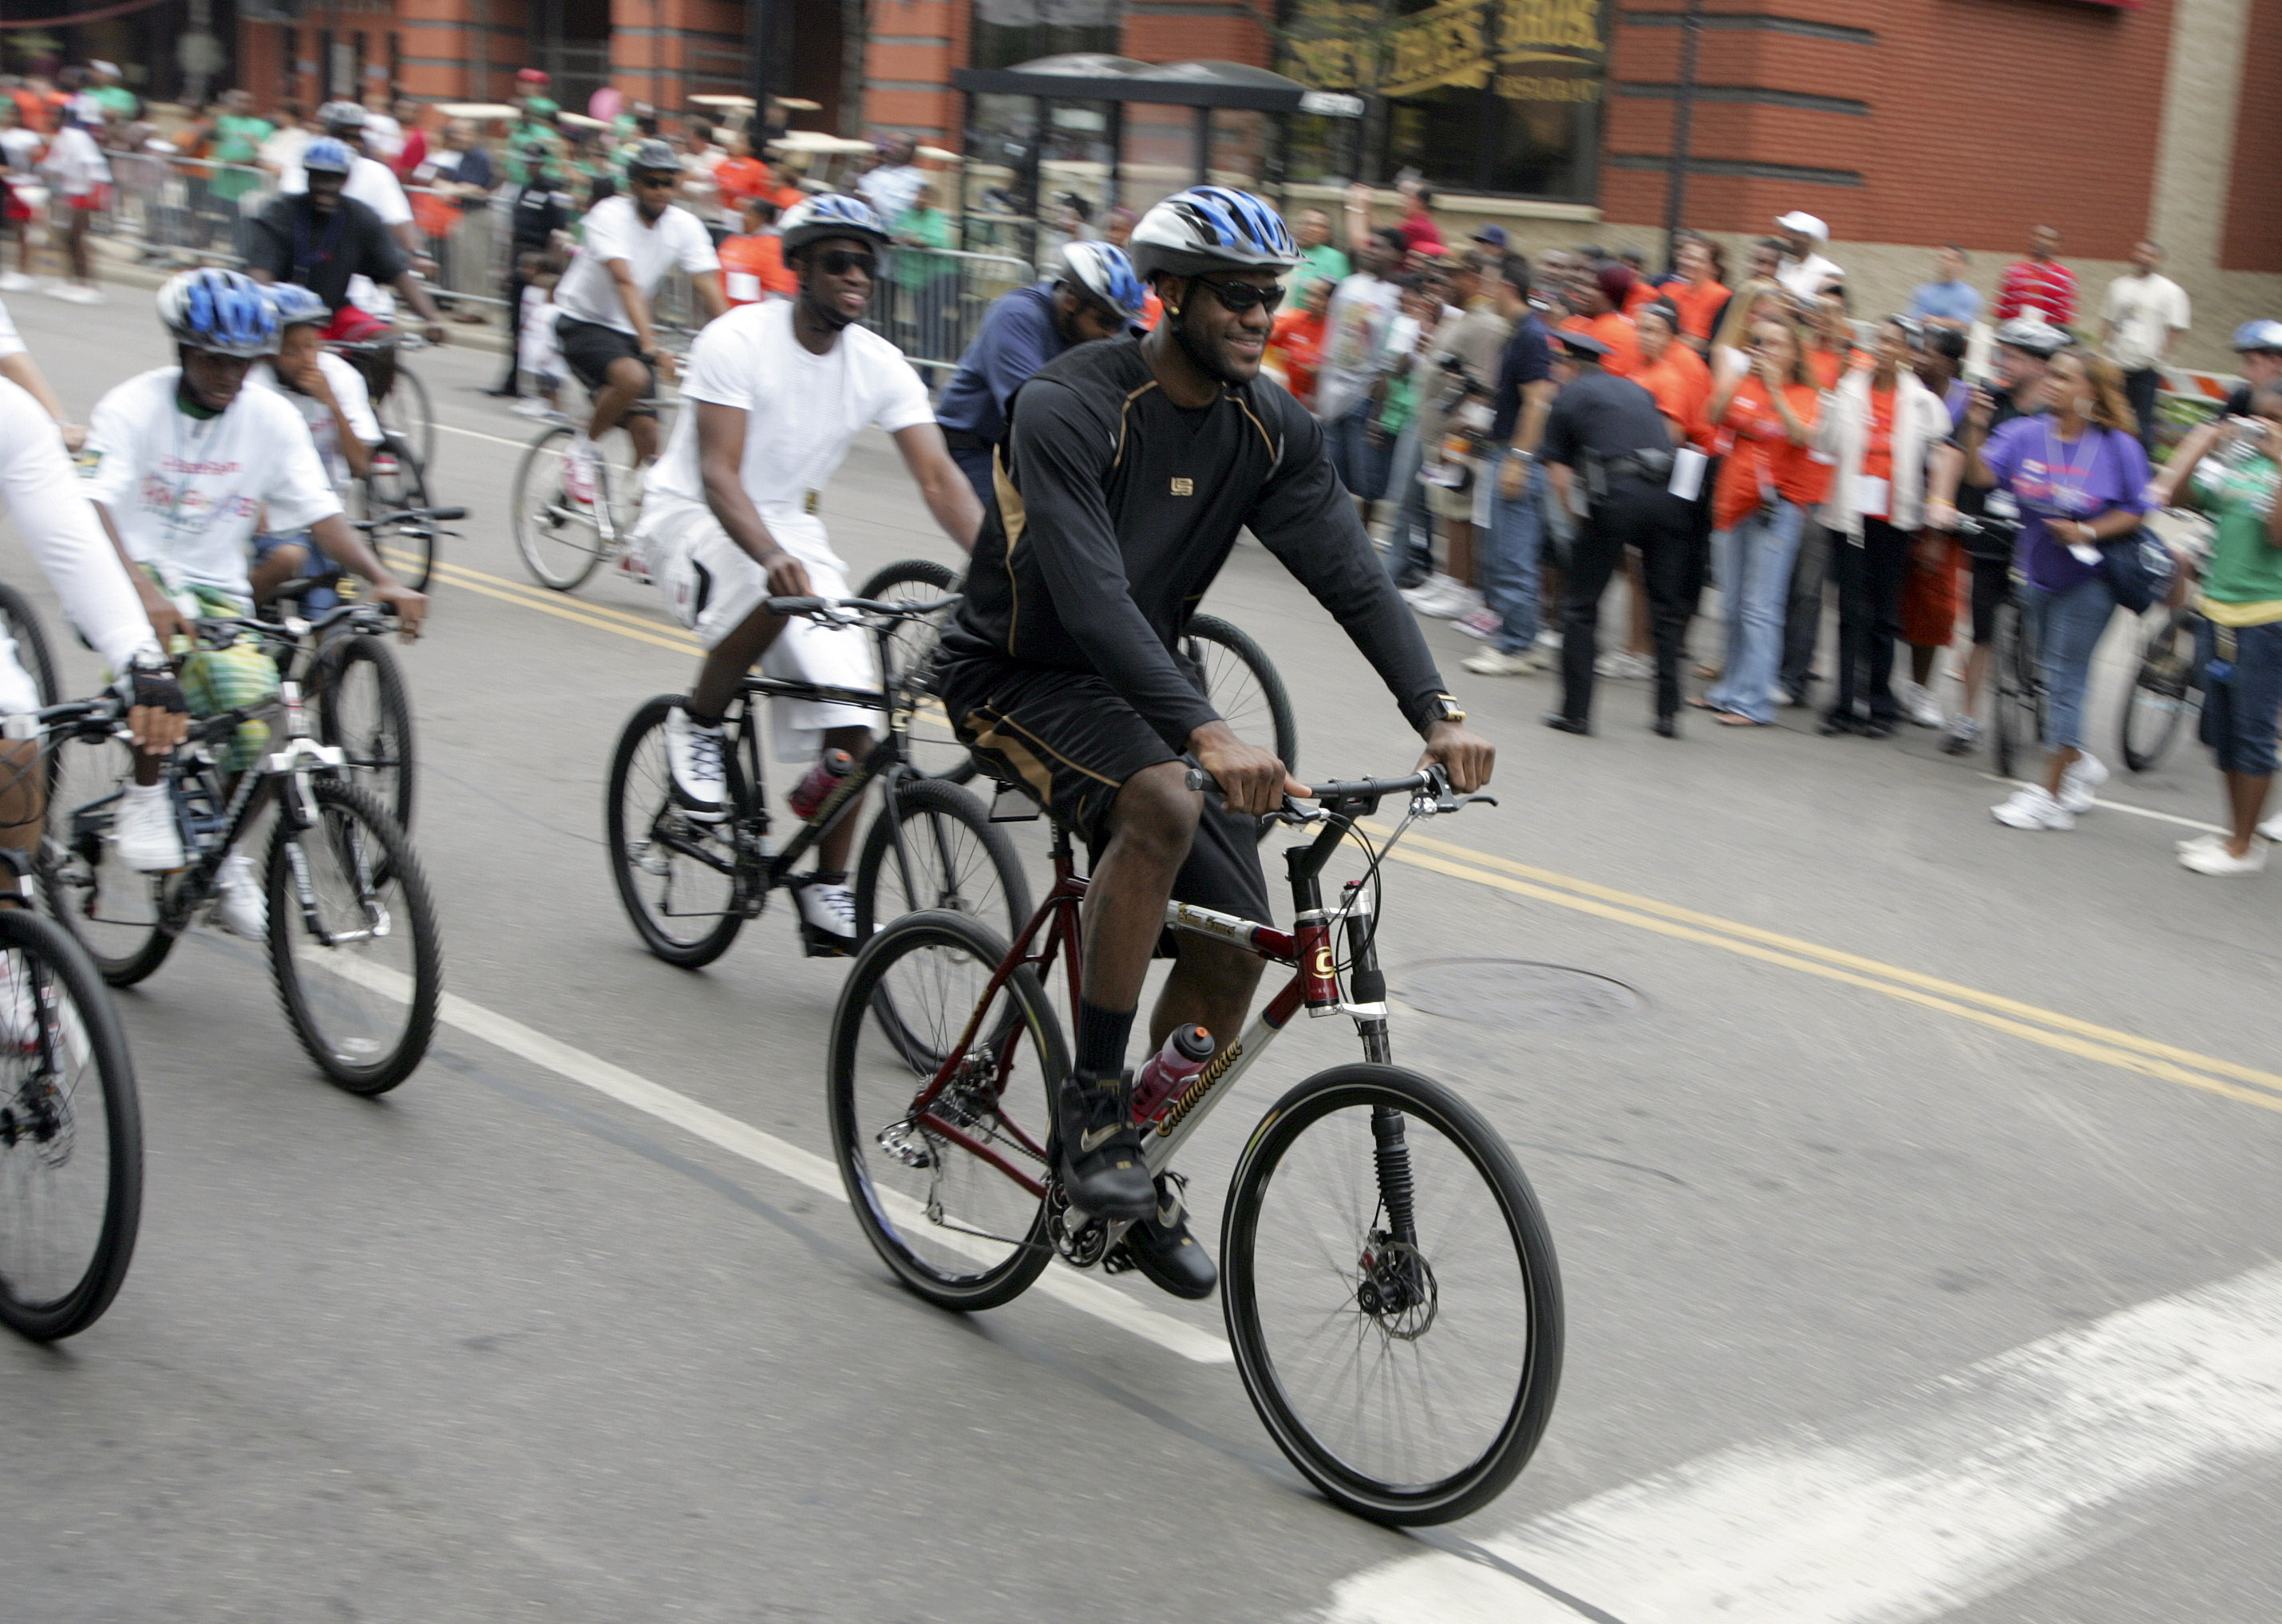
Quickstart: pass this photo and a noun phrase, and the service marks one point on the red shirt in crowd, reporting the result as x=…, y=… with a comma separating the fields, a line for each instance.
x=1760, y=454
x=2045, y=285
x=1696, y=306
x=1419, y=231
x=1296, y=347
x=739, y=177
x=760, y=258
x=1615, y=330
x=1682, y=384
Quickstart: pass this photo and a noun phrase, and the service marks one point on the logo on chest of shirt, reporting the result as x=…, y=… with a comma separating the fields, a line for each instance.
x=1183, y=487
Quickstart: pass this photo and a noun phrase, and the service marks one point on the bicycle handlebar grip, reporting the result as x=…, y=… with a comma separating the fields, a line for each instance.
x=448, y=516
x=787, y=607
x=1199, y=779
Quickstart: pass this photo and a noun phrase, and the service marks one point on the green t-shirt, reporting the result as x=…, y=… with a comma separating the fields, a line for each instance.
x=932, y=227
x=1323, y=260
x=238, y=139
x=117, y=100
x=2243, y=568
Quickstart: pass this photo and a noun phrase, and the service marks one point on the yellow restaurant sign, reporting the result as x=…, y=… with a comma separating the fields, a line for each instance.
x=1457, y=42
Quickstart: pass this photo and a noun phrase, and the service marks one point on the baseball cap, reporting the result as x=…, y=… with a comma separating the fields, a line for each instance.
x=1495, y=235
x=1805, y=224
x=1577, y=343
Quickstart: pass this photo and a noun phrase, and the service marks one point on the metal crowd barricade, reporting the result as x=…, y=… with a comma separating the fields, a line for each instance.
x=186, y=209
x=930, y=302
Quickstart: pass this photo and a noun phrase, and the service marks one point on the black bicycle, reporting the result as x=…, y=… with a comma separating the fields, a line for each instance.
x=354, y=947
x=2166, y=685
x=393, y=510
x=689, y=885
x=1239, y=678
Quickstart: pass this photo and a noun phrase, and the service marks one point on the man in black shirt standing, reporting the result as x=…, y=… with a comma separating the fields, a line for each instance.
x=541, y=209
x=1127, y=467
x=1608, y=449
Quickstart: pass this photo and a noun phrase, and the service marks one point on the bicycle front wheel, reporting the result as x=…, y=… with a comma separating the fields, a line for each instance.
x=951, y=856
x=22, y=622
x=71, y=1134
x=353, y=940
x=1241, y=683
x=363, y=707
x=2162, y=691
x=562, y=539
x=406, y=412
x=952, y=1197
x=676, y=876
x=1391, y=1295
x=2018, y=723
x=112, y=910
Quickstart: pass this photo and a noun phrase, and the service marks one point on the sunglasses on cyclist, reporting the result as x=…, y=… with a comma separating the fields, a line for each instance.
x=1238, y=297
x=653, y=177
x=839, y=261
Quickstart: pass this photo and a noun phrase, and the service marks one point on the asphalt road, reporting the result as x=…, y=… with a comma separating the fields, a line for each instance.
x=1915, y=1218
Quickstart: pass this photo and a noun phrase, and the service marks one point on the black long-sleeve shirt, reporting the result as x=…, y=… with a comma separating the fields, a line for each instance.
x=1116, y=510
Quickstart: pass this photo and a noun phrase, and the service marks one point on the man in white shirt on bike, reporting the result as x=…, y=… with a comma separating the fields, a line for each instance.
x=775, y=394
x=603, y=322
x=182, y=460
x=331, y=396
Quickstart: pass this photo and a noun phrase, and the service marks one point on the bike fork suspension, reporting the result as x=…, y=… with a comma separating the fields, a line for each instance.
x=1393, y=1157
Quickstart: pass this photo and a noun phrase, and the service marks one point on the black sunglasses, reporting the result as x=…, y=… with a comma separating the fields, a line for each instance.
x=1239, y=296
x=655, y=177
x=839, y=261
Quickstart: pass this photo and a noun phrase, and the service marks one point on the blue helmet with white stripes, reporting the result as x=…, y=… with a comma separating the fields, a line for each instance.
x=830, y=214
x=327, y=156
x=296, y=305
x=224, y=313
x=1211, y=228
x=1103, y=274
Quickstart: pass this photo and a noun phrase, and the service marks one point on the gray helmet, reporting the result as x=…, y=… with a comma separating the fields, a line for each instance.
x=2033, y=334
x=654, y=155
x=341, y=115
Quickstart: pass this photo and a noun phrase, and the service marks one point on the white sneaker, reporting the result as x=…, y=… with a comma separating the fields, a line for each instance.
x=1550, y=640
x=1470, y=602
x=578, y=471
x=16, y=281
x=1964, y=734
x=532, y=406
x=1497, y=662
x=1433, y=589
x=2272, y=827
x=1920, y=706
x=1442, y=599
x=2216, y=859
x=2083, y=776
x=2033, y=808
x=2193, y=841
x=1622, y=665
x=828, y=911
x=239, y=908
x=143, y=832
x=1482, y=623
x=694, y=758
x=76, y=293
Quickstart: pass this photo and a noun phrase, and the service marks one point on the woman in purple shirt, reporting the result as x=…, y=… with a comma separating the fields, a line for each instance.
x=2078, y=471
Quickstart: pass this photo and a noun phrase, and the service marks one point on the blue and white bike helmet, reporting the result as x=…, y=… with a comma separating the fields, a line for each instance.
x=2264, y=334
x=1210, y=228
x=327, y=156
x=1102, y=272
x=296, y=306
x=833, y=215
x=223, y=313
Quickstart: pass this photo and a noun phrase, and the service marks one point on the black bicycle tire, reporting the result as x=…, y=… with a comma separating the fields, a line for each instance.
x=22, y=621
x=921, y=572
x=2009, y=681
x=369, y=650
x=1015, y=1275
x=932, y=795
x=403, y=866
x=426, y=438
x=2178, y=622
x=1363, y=1083
x=684, y=956
x=1236, y=640
x=117, y=969
x=418, y=543
x=114, y=1248
x=519, y=519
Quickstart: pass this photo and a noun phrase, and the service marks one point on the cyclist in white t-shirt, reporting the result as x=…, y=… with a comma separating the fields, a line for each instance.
x=775, y=394
x=604, y=320
x=40, y=492
x=331, y=396
x=182, y=460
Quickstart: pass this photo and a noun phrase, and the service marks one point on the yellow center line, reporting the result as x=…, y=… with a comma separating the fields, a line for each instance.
x=2067, y=1033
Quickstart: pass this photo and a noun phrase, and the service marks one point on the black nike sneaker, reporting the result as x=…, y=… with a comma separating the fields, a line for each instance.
x=1162, y=1247
x=1098, y=1154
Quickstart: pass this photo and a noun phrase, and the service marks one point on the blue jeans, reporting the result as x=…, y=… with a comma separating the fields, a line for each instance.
x=2067, y=625
x=1410, y=544
x=1511, y=560
x=1754, y=562
x=1361, y=465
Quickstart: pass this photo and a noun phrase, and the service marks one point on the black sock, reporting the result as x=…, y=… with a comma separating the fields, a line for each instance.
x=1101, y=1035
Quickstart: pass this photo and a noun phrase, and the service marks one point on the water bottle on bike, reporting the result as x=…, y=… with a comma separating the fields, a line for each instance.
x=1170, y=1070
x=812, y=791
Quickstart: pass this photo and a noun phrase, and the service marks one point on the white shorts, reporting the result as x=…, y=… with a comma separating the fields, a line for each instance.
x=19, y=692
x=714, y=585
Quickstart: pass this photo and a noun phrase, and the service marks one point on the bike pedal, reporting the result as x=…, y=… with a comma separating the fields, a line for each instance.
x=819, y=944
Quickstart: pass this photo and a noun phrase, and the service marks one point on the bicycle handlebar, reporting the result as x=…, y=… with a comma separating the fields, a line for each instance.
x=823, y=608
x=434, y=515
x=1426, y=780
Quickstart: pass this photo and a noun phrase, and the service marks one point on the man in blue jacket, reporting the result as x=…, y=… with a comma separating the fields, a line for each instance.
x=1092, y=294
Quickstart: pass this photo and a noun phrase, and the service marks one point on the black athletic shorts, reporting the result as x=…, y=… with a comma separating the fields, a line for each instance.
x=589, y=348
x=1068, y=741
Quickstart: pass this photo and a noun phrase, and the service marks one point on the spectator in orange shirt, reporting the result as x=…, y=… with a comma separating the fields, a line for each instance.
x=1701, y=293
x=786, y=189
x=739, y=176
x=752, y=262
x=1597, y=298
x=1295, y=347
x=1674, y=374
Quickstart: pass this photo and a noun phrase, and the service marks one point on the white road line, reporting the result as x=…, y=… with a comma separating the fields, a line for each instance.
x=2124, y=806
x=2012, y=1468
x=1060, y=1282
x=494, y=439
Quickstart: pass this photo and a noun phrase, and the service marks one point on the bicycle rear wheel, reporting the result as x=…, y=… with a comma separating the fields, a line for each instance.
x=935, y=750
x=952, y=1198
x=1241, y=681
x=71, y=1134
x=560, y=540
x=353, y=940
x=1406, y=1363
x=400, y=484
x=110, y=909
x=2018, y=724
x=362, y=707
x=2162, y=691
x=676, y=876
x=406, y=412
x=20, y=621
